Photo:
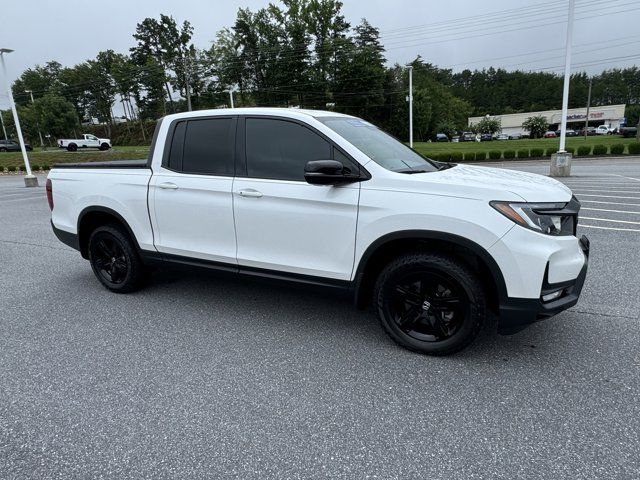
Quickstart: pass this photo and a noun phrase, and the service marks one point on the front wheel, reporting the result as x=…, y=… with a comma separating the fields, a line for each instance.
x=430, y=303
x=115, y=260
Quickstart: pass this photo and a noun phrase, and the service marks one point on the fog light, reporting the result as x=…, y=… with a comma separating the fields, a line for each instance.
x=551, y=296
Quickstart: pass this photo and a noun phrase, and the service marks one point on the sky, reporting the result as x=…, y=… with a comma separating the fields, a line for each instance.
x=515, y=34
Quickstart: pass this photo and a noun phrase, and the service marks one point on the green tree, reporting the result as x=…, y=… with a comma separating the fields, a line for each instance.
x=488, y=125
x=536, y=126
x=55, y=116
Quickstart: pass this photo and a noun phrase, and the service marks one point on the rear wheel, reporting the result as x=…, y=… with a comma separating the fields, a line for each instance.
x=72, y=147
x=115, y=260
x=430, y=303
x=3, y=149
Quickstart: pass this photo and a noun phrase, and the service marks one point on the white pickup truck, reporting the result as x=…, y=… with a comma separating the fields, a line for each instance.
x=87, y=141
x=330, y=200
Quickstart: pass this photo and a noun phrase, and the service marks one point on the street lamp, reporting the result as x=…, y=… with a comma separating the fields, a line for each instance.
x=30, y=92
x=30, y=180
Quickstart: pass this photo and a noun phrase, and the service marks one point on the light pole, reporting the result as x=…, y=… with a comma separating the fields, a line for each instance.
x=231, y=98
x=561, y=162
x=30, y=92
x=410, y=106
x=30, y=180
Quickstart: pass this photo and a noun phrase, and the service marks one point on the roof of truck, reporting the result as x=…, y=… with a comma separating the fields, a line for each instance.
x=290, y=112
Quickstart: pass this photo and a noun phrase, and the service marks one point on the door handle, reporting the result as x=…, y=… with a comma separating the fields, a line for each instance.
x=168, y=186
x=249, y=193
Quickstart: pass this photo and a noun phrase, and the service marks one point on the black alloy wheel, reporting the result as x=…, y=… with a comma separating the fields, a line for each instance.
x=115, y=260
x=430, y=303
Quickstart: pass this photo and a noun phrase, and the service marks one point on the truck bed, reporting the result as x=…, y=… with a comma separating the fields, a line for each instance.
x=106, y=165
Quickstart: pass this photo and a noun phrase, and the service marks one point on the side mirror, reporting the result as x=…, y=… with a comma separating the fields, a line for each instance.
x=327, y=172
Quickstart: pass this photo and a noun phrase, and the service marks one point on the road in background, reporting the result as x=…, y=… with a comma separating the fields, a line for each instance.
x=199, y=377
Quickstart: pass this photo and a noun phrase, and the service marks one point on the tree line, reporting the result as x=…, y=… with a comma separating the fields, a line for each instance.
x=297, y=53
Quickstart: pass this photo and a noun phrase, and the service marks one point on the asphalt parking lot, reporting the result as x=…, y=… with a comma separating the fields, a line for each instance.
x=198, y=377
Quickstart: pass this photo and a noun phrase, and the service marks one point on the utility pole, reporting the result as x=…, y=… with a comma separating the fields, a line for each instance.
x=30, y=92
x=411, y=106
x=30, y=180
x=561, y=161
x=187, y=78
x=586, y=119
x=231, y=98
x=4, y=130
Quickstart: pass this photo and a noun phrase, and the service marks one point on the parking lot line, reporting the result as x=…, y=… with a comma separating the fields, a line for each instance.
x=607, y=210
x=611, y=228
x=622, y=176
x=611, y=203
x=610, y=220
x=607, y=191
x=608, y=196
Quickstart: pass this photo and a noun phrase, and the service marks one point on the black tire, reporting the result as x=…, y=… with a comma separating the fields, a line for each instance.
x=415, y=300
x=72, y=147
x=2, y=149
x=104, y=146
x=115, y=260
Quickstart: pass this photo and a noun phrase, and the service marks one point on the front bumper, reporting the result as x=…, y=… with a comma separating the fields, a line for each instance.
x=518, y=313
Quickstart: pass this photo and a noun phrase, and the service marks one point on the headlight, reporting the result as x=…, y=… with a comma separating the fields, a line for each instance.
x=548, y=218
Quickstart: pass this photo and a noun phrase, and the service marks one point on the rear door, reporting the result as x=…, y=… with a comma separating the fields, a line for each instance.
x=190, y=195
x=282, y=222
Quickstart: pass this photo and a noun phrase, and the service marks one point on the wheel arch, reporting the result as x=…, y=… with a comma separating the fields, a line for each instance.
x=382, y=250
x=94, y=216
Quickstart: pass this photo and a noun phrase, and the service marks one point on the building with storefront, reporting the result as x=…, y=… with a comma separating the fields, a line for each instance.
x=610, y=115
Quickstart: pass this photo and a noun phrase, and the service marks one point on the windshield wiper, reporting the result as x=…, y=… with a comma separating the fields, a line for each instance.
x=410, y=171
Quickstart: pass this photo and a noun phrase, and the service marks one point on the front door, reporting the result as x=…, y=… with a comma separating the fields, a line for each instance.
x=282, y=222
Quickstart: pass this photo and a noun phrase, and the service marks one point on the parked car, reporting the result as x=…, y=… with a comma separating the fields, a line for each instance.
x=486, y=137
x=468, y=137
x=590, y=131
x=441, y=137
x=571, y=133
x=13, y=146
x=87, y=141
x=455, y=139
x=603, y=130
x=628, y=132
x=515, y=136
x=330, y=200
x=550, y=134
x=502, y=136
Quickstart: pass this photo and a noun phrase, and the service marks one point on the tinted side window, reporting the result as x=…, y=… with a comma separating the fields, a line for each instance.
x=208, y=146
x=279, y=149
x=177, y=143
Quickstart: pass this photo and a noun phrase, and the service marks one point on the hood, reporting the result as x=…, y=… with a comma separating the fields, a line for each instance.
x=488, y=183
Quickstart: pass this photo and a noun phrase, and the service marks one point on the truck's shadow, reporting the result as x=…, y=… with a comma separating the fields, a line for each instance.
x=315, y=311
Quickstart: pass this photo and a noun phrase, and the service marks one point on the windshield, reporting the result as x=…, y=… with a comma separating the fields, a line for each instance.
x=379, y=146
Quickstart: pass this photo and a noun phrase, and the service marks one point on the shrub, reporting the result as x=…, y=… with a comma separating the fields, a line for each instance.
x=617, y=149
x=551, y=151
x=584, y=150
x=537, y=152
x=45, y=167
x=570, y=150
x=634, y=148
x=481, y=156
x=456, y=156
x=469, y=156
x=495, y=154
x=11, y=168
x=523, y=153
x=600, y=149
x=35, y=167
x=21, y=168
x=509, y=154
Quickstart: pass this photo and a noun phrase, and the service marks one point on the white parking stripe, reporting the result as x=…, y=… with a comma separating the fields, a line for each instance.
x=611, y=203
x=622, y=176
x=607, y=196
x=607, y=210
x=611, y=228
x=607, y=191
x=609, y=220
